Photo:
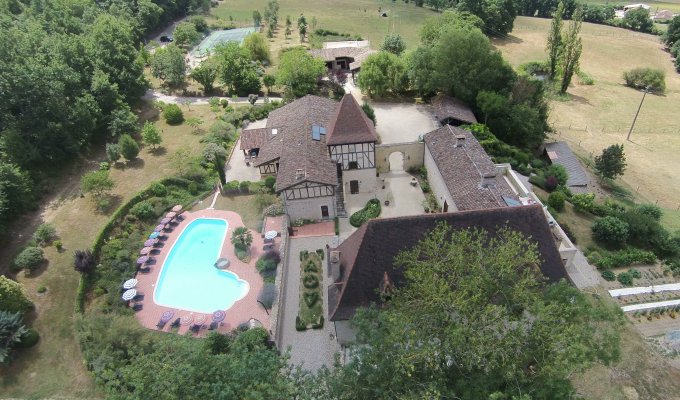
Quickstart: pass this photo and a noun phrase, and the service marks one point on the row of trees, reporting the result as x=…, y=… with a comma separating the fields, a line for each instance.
x=564, y=49
x=455, y=57
x=672, y=40
x=498, y=16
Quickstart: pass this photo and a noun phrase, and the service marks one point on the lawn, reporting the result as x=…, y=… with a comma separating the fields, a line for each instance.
x=600, y=115
x=244, y=205
x=54, y=368
x=673, y=5
x=311, y=276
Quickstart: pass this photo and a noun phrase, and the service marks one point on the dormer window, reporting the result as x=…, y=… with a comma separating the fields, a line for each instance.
x=317, y=131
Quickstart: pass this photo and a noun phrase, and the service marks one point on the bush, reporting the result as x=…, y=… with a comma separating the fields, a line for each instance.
x=623, y=258
x=299, y=324
x=610, y=230
x=558, y=172
x=83, y=261
x=265, y=265
x=269, y=183
x=158, y=189
x=538, y=180
x=143, y=210
x=651, y=210
x=635, y=273
x=371, y=210
x=273, y=255
x=30, y=258
x=609, y=275
x=128, y=147
x=12, y=330
x=551, y=183
x=556, y=201
x=45, y=234
x=625, y=278
x=29, y=339
x=319, y=323
x=641, y=78
x=41, y=289
x=232, y=187
x=583, y=201
x=267, y=295
x=12, y=296
x=173, y=114
x=244, y=186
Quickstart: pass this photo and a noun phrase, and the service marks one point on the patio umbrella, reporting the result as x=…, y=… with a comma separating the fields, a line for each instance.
x=154, y=235
x=219, y=316
x=142, y=259
x=167, y=315
x=129, y=294
x=150, y=242
x=171, y=214
x=165, y=220
x=270, y=235
x=177, y=208
x=186, y=320
x=145, y=250
x=130, y=283
x=159, y=228
x=200, y=319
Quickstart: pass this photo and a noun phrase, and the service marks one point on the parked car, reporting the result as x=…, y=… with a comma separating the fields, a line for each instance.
x=166, y=39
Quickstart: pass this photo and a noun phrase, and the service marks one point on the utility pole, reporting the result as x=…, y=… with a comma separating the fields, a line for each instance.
x=644, y=91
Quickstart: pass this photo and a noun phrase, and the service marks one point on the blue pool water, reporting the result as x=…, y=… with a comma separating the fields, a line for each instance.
x=189, y=279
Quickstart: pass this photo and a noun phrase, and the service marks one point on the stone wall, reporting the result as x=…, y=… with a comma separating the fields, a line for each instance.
x=413, y=155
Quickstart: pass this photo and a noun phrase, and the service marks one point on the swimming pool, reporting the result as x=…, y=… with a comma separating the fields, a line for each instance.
x=189, y=279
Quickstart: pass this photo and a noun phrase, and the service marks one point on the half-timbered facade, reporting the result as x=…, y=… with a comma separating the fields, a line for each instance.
x=319, y=150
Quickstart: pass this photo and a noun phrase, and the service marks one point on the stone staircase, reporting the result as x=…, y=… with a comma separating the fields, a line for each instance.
x=340, y=200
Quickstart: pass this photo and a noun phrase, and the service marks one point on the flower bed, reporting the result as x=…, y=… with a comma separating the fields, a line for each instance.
x=371, y=210
x=311, y=285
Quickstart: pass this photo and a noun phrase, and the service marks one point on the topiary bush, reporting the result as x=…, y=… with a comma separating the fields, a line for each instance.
x=556, y=201
x=173, y=114
x=610, y=230
x=30, y=258
x=29, y=339
x=371, y=210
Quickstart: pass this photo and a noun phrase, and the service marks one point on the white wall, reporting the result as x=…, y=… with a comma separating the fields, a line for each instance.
x=437, y=184
x=368, y=182
x=309, y=208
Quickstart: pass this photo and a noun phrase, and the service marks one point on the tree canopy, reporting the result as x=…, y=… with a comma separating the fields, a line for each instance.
x=612, y=162
x=236, y=70
x=167, y=64
x=299, y=72
x=381, y=73
x=257, y=46
x=475, y=320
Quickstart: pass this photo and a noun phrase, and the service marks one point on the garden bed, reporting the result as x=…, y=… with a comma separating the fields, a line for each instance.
x=371, y=210
x=311, y=286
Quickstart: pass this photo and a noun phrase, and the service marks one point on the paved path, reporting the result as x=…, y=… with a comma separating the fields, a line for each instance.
x=237, y=169
x=311, y=348
x=153, y=95
x=582, y=273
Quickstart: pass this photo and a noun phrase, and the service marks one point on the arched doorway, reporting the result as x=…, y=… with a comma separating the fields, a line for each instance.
x=396, y=161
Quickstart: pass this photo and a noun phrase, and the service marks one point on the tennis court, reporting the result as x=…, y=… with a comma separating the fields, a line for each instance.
x=217, y=37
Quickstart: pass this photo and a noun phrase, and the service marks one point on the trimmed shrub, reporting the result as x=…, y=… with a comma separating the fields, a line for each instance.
x=29, y=339
x=269, y=183
x=41, y=289
x=371, y=210
x=319, y=323
x=12, y=296
x=244, y=186
x=625, y=278
x=610, y=230
x=173, y=114
x=609, y=275
x=622, y=258
x=299, y=324
x=641, y=78
x=30, y=258
x=45, y=234
x=272, y=255
x=265, y=265
x=267, y=295
x=556, y=201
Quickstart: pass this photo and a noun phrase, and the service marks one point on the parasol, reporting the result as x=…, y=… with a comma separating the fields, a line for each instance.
x=145, y=250
x=177, y=208
x=219, y=316
x=130, y=283
x=129, y=295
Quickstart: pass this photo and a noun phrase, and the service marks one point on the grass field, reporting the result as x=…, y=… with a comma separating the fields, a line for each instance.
x=673, y=5
x=54, y=367
x=600, y=115
x=341, y=16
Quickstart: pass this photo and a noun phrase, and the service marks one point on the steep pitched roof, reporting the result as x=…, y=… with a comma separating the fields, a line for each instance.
x=289, y=140
x=465, y=167
x=368, y=254
x=447, y=107
x=560, y=153
x=253, y=138
x=350, y=124
x=359, y=54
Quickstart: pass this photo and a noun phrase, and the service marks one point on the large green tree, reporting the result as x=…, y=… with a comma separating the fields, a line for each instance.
x=299, y=72
x=257, y=46
x=474, y=320
x=205, y=74
x=554, y=45
x=382, y=73
x=571, y=52
x=167, y=64
x=185, y=34
x=612, y=162
x=236, y=70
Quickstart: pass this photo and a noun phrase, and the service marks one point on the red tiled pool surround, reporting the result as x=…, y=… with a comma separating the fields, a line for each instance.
x=242, y=311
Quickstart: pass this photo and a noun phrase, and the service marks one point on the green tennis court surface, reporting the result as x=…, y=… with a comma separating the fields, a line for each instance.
x=217, y=37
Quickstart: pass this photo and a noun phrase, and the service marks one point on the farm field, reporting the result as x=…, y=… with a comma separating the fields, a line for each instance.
x=600, y=115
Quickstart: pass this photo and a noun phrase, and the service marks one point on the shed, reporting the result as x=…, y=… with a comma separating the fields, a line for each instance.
x=560, y=153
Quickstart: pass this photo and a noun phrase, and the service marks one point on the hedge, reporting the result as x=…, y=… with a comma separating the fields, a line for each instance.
x=371, y=210
x=624, y=258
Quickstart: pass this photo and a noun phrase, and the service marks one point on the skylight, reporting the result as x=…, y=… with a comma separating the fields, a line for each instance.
x=317, y=132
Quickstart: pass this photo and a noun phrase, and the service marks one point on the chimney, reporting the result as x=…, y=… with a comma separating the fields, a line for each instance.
x=334, y=270
x=488, y=180
x=299, y=174
x=460, y=140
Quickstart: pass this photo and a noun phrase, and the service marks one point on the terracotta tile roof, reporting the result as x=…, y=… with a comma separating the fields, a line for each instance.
x=289, y=140
x=359, y=54
x=447, y=107
x=350, y=124
x=368, y=254
x=465, y=167
x=253, y=138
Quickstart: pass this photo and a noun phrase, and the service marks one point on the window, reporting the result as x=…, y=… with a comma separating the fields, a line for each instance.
x=317, y=131
x=352, y=165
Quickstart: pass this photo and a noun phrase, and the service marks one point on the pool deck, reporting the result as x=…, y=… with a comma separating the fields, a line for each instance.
x=242, y=311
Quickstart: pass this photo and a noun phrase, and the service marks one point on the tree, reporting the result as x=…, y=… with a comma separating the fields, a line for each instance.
x=112, y=152
x=257, y=19
x=12, y=329
x=241, y=238
x=236, y=70
x=167, y=64
x=195, y=123
x=299, y=72
x=181, y=160
x=468, y=302
x=381, y=73
x=638, y=20
x=571, y=52
x=289, y=25
x=205, y=74
x=257, y=46
x=498, y=15
x=672, y=35
x=612, y=162
x=419, y=65
x=554, y=46
x=491, y=104
x=217, y=156
x=128, y=147
x=269, y=81
x=151, y=135
x=302, y=27
x=185, y=34
x=370, y=113
x=394, y=44
x=99, y=183
x=84, y=261
x=13, y=297
x=173, y=114
x=271, y=13
x=121, y=121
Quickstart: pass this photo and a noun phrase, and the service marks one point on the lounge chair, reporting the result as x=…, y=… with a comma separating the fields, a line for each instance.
x=195, y=328
x=268, y=246
x=175, y=323
x=138, y=307
x=213, y=326
x=138, y=297
x=144, y=269
x=161, y=323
